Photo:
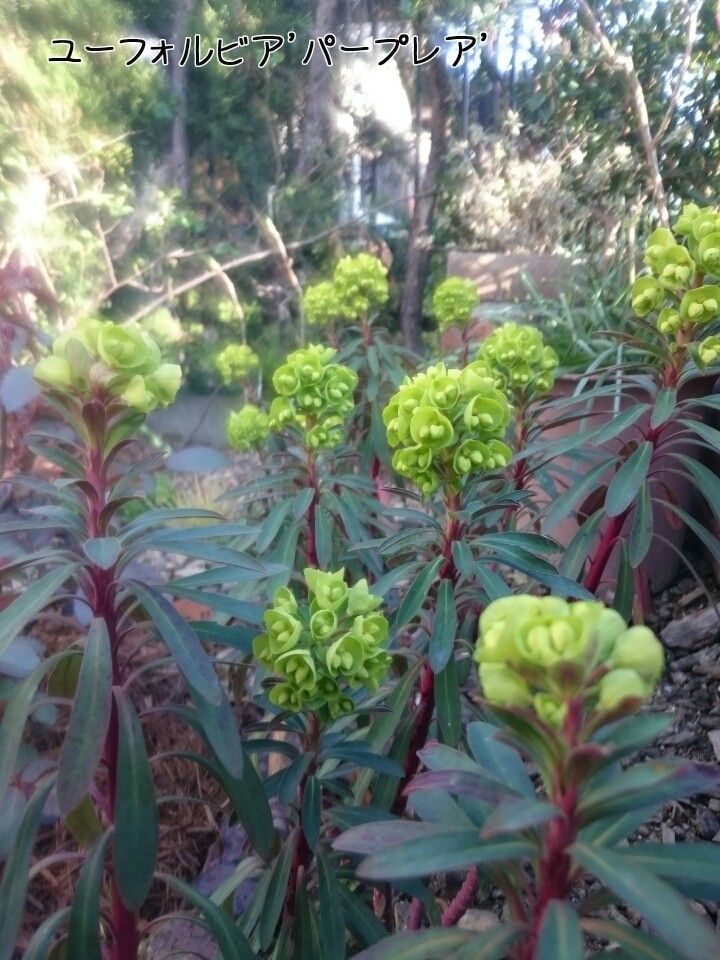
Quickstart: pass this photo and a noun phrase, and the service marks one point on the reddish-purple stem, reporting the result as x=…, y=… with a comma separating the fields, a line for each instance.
x=460, y=903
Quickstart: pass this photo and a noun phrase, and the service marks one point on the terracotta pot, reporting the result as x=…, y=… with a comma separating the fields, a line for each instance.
x=661, y=565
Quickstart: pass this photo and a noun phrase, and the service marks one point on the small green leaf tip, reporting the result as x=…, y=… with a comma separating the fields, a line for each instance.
x=322, y=649
x=518, y=357
x=446, y=424
x=236, y=362
x=540, y=652
x=453, y=302
x=247, y=428
x=315, y=396
x=123, y=361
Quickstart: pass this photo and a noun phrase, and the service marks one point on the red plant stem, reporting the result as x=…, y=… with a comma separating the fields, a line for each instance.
x=102, y=598
x=614, y=529
x=460, y=903
x=555, y=868
x=312, y=482
x=415, y=914
x=426, y=699
x=302, y=855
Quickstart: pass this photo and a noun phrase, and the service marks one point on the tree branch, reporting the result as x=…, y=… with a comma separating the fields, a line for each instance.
x=623, y=62
x=692, y=22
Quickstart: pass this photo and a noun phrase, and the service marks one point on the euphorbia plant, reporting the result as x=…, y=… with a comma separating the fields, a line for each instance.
x=563, y=684
x=324, y=660
x=102, y=378
x=453, y=303
x=315, y=503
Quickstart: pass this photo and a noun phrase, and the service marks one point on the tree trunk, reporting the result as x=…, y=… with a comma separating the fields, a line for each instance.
x=180, y=151
x=421, y=224
x=316, y=130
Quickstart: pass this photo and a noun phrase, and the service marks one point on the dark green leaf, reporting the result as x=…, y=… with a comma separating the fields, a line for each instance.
x=500, y=760
x=664, y=909
x=276, y=891
x=446, y=850
x=642, y=527
x=693, y=867
x=84, y=928
x=619, y=423
x=230, y=940
x=447, y=703
x=13, y=885
x=665, y=404
x=516, y=815
x=560, y=936
x=417, y=945
x=564, y=505
x=85, y=735
x=705, y=480
x=312, y=811
x=360, y=919
x=636, y=944
x=136, y=819
x=41, y=942
x=626, y=483
x=272, y=524
x=415, y=595
x=575, y=555
x=323, y=536
x=33, y=598
x=103, y=551
x=332, y=926
x=624, y=587
x=444, y=627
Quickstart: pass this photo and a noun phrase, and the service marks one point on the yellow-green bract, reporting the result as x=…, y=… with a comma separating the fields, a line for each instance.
x=446, y=424
x=323, y=649
x=247, y=427
x=526, y=643
x=120, y=360
x=453, y=302
x=517, y=356
x=315, y=396
x=235, y=362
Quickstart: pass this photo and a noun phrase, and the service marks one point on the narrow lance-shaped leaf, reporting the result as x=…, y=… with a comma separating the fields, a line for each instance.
x=642, y=527
x=332, y=926
x=560, y=936
x=626, y=483
x=13, y=886
x=136, y=818
x=84, y=928
x=414, y=597
x=665, y=910
x=41, y=942
x=232, y=943
x=85, y=736
x=34, y=598
x=444, y=627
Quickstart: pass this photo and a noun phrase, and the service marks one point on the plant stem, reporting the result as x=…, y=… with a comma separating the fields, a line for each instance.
x=460, y=903
x=555, y=868
x=426, y=695
x=302, y=855
x=312, y=482
x=103, y=602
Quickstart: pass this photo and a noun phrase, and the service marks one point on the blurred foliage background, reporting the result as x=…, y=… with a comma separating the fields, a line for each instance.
x=202, y=200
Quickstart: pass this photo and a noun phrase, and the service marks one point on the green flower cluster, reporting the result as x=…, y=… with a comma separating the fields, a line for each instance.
x=537, y=652
x=707, y=352
x=447, y=424
x=315, y=396
x=247, y=428
x=121, y=360
x=236, y=362
x=672, y=287
x=517, y=355
x=322, y=649
x=453, y=302
x=361, y=285
x=321, y=304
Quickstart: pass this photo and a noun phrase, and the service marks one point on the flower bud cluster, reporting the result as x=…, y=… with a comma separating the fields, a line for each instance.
x=359, y=286
x=676, y=267
x=446, y=424
x=121, y=360
x=323, y=649
x=538, y=652
x=453, y=302
x=707, y=352
x=315, y=396
x=247, y=428
x=518, y=357
x=236, y=362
